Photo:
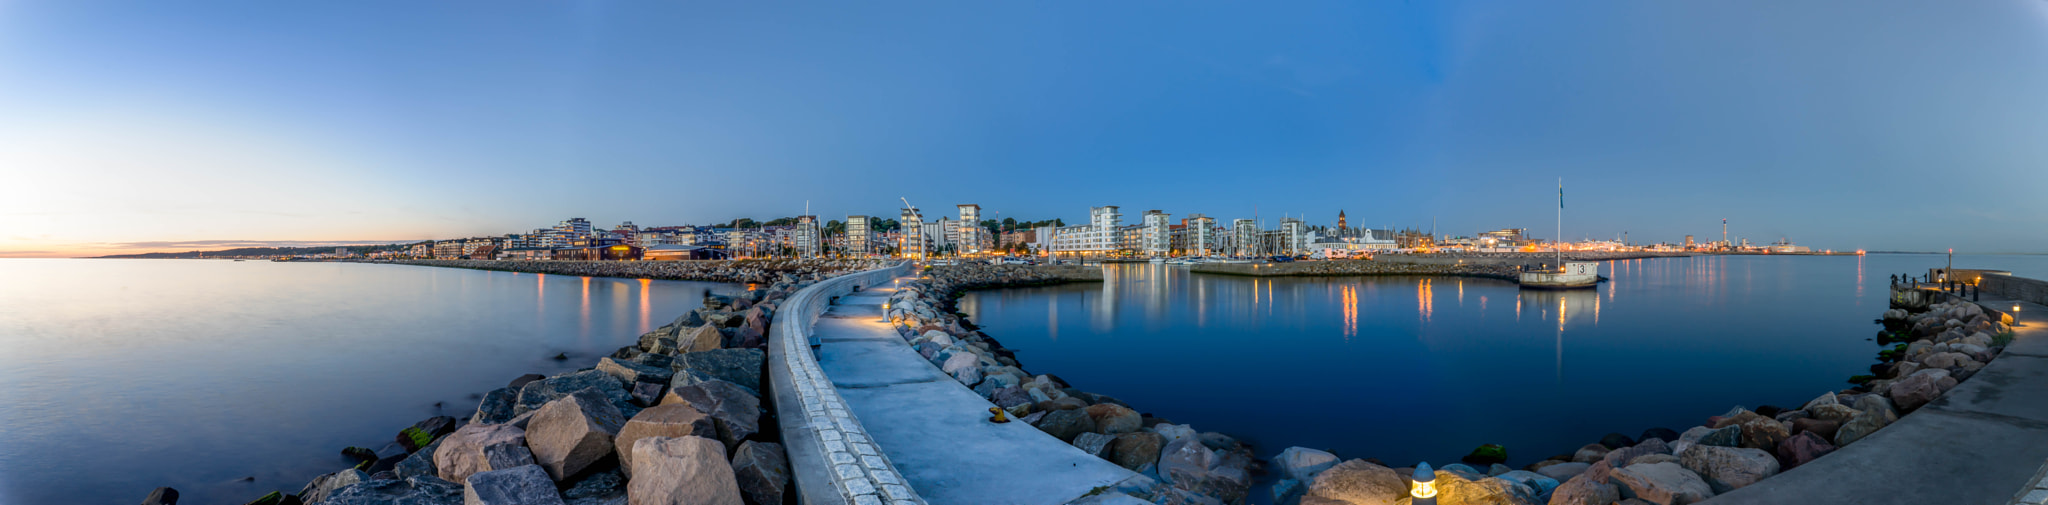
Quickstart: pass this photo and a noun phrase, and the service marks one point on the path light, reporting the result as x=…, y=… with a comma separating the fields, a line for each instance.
x=885, y=312
x=1423, y=487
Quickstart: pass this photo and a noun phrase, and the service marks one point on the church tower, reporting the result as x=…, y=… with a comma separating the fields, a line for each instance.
x=1340, y=220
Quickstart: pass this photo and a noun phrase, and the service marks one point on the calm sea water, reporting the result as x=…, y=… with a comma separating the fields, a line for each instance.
x=118, y=376
x=1408, y=369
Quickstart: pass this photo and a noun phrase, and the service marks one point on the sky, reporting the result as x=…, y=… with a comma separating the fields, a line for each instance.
x=128, y=126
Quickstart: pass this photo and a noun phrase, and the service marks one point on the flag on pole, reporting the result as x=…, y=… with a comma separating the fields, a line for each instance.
x=1560, y=193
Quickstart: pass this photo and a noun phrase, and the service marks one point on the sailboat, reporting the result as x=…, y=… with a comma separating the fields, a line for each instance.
x=1574, y=275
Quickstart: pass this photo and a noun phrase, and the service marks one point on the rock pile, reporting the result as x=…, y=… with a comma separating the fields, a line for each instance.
x=767, y=271
x=674, y=418
x=1187, y=466
x=1949, y=342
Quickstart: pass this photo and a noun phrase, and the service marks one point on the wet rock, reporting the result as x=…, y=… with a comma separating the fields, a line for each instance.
x=735, y=411
x=682, y=471
x=1664, y=434
x=762, y=471
x=1113, y=419
x=1726, y=469
x=1358, y=482
x=672, y=420
x=425, y=432
x=462, y=453
x=318, y=489
x=1541, y=484
x=607, y=487
x=161, y=496
x=1616, y=441
x=1486, y=455
x=737, y=366
x=1095, y=444
x=1802, y=448
x=421, y=490
x=1285, y=492
x=569, y=434
x=1067, y=424
x=522, y=485
x=1302, y=463
x=1136, y=449
x=1665, y=483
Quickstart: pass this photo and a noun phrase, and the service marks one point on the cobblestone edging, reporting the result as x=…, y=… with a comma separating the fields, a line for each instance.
x=833, y=459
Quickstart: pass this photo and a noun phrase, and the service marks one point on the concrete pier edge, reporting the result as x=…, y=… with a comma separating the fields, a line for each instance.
x=817, y=429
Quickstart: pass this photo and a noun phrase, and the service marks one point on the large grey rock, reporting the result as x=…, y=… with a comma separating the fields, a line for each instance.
x=762, y=471
x=735, y=411
x=1727, y=469
x=1095, y=444
x=1665, y=483
x=462, y=453
x=1067, y=424
x=420, y=462
x=960, y=361
x=1918, y=389
x=1539, y=483
x=1357, y=482
x=607, y=487
x=1763, y=433
x=1835, y=412
x=738, y=366
x=628, y=372
x=672, y=420
x=1135, y=450
x=1729, y=436
x=1590, y=453
x=569, y=434
x=1190, y=466
x=681, y=471
x=504, y=456
x=1302, y=463
x=542, y=391
x=324, y=485
x=1862, y=425
x=520, y=485
x=421, y=490
x=1622, y=456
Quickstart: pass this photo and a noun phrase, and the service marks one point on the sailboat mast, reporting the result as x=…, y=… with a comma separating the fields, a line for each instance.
x=1560, y=225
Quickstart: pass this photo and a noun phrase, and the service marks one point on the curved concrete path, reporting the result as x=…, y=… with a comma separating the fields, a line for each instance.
x=936, y=430
x=1980, y=443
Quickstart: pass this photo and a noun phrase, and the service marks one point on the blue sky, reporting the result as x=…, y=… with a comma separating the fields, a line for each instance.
x=1879, y=125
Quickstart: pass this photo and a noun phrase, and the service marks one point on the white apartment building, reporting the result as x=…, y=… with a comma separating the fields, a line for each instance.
x=858, y=235
x=1247, y=237
x=1201, y=235
x=912, y=224
x=807, y=238
x=967, y=234
x=575, y=227
x=1293, y=236
x=1155, y=235
x=1101, y=236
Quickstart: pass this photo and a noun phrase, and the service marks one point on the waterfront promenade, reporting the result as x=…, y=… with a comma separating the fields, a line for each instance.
x=937, y=431
x=1983, y=442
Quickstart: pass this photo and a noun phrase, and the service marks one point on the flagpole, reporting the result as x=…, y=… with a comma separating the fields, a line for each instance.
x=1560, y=225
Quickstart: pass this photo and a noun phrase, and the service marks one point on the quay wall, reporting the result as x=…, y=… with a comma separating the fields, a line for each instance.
x=2017, y=288
x=1356, y=267
x=734, y=271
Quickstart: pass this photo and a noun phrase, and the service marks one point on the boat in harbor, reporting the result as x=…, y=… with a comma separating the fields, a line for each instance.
x=1574, y=275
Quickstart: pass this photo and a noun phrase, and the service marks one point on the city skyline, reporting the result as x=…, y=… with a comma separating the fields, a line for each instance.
x=137, y=127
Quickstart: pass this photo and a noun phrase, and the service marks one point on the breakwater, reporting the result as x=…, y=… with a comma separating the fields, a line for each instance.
x=1191, y=466
x=676, y=417
x=766, y=271
x=1357, y=267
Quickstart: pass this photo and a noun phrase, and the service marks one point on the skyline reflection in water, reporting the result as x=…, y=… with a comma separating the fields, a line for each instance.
x=125, y=375
x=1405, y=369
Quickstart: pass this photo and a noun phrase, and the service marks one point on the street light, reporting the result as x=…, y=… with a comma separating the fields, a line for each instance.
x=1423, y=486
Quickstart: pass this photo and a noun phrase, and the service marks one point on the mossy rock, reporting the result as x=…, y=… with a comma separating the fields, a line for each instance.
x=359, y=454
x=1487, y=455
x=274, y=498
x=418, y=437
x=1861, y=379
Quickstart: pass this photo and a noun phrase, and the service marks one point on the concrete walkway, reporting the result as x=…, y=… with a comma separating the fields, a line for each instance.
x=1981, y=443
x=936, y=430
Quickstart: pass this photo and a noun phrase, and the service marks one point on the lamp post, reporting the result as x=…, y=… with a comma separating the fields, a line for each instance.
x=1422, y=488
x=2015, y=313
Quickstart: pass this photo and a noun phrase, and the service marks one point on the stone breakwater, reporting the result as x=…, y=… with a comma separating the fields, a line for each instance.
x=1187, y=467
x=1940, y=344
x=675, y=418
x=735, y=271
x=1357, y=267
